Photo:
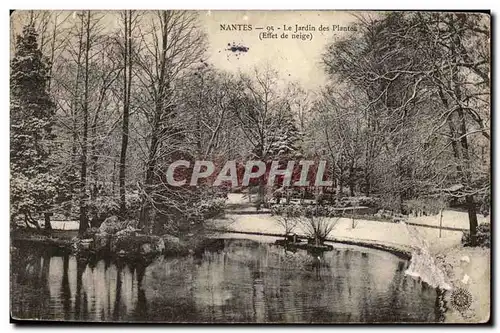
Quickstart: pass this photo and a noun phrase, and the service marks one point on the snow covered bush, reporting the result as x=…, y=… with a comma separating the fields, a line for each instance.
x=212, y=208
x=287, y=216
x=368, y=201
x=317, y=224
x=483, y=236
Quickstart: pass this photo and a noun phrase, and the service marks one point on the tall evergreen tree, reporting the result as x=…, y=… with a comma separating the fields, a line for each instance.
x=287, y=137
x=33, y=188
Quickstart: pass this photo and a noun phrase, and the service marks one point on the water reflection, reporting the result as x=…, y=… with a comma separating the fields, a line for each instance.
x=243, y=281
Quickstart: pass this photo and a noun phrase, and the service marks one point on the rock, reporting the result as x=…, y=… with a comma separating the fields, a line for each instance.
x=83, y=244
x=90, y=232
x=159, y=244
x=465, y=259
x=86, y=242
x=129, y=242
x=102, y=241
x=131, y=224
x=123, y=240
x=127, y=232
x=172, y=244
x=170, y=239
x=146, y=249
x=111, y=225
x=398, y=218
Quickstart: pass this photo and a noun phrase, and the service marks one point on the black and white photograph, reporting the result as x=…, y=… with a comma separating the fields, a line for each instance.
x=250, y=166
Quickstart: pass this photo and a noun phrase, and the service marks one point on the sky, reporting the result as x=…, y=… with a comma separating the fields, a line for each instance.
x=295, y=59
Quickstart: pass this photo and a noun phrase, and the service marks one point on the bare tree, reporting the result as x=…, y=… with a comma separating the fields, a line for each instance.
x=259, y=107
x=426, y=81
x=317, y=225
x=129, y=19
x=287, y=217
x=170, y=47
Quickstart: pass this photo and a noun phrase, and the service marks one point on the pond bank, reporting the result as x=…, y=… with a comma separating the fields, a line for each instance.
x=127, y=244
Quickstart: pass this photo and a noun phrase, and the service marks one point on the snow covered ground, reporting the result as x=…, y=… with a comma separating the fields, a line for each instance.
x=237, y=198
x=366, y=230
x=62, y=225
x=451, y=218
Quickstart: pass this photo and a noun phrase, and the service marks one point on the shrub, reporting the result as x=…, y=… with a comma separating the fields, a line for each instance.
x=320, y=210
x=315, y=219
x=212, y=208
x=424, y=206
x=317, y=224
x=483, y=236
x=132, y=203
x=287, y=216
x=90, y=233
x=368, y=202
x=189, y=217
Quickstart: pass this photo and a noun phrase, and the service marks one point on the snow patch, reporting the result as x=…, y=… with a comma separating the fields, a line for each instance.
x=422, y=263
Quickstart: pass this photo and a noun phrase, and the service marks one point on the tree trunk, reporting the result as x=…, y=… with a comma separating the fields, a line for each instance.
x=93, y=164
x=144, y=214
x=83, y=170
x=461, y=152
x=367, y=184
x=46, y=217
x=462, y=133
x=351, y=181
x=127, y=78
x=75, y=107
x=163, y=85
x=340, y=186
x=113, y=181
x=471, y=210
x=469, y=199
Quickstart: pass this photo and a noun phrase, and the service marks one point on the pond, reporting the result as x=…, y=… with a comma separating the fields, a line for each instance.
x=237, y=280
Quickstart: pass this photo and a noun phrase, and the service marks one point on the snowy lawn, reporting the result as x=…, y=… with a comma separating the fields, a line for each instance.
x=394, y=234
x=386, y=232
x=238, y=198
x=451, y=218
x=62, y=225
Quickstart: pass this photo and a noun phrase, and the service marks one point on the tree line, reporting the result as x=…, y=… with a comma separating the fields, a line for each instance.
x=103, y=101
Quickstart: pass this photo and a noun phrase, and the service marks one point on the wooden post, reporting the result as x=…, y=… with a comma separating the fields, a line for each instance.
x=352, y=215
x=440, y=221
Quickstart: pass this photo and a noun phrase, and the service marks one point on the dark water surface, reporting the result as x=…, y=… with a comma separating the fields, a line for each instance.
x=240, y=281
